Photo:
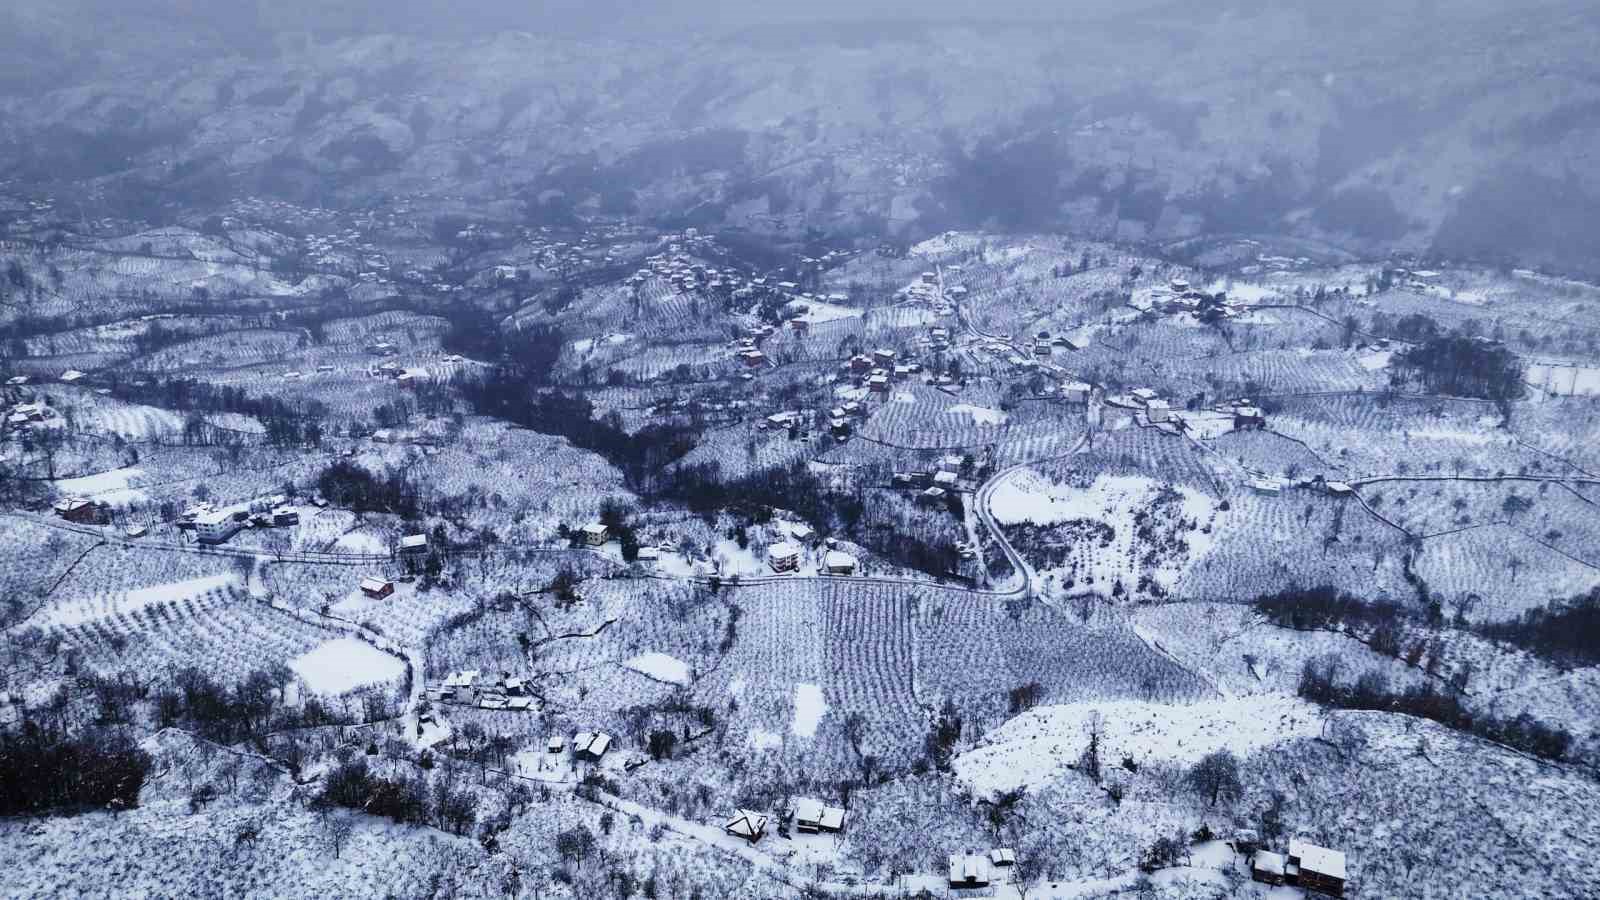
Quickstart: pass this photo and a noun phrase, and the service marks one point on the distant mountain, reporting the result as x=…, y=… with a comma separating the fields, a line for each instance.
x=1462, y=132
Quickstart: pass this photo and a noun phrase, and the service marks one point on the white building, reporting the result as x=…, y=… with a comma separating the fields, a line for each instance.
x=216, y=527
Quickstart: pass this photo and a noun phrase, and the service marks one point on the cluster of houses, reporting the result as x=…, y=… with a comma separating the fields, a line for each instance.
x=213, y=525
x=934, y=486
x=25, y=415
x=785, y=556
x=805, y=815
x=926, y=290
x=878, y=370
x=470, y=688
x=1179, y=297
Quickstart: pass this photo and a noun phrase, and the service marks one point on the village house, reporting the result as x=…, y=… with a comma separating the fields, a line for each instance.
x=590, y=746
x=784, y=557
x=595, y=534
x=932, y=496
x=1076, y=392
x=813, y=817
x=284, y=516
x=1315, y=868
x=747, y=825
x=461, y=687
x=377, y=588
x=72, y=376
x=77, y=509
x=946, y=479
x=1158, y=411
x=878, y=384
x=883, y=356
x=1002, y=857
x=968, y=870
x=835, y=562
x=216, y=527
x=1249, y=417
x=414, y=543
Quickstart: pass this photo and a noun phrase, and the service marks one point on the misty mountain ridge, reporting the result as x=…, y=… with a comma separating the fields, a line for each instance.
x=1416, y=133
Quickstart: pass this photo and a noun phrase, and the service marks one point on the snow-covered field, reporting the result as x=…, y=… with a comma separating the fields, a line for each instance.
x=81, y=611
x=107, y=487
x=1041, y=743
x=344, y=664
x=809, y=708
x=661, y=667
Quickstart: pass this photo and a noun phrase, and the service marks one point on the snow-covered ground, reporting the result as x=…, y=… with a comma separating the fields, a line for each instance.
x=1040, y=744
x=660, y=667
x=344, y=664
x=809, y=708
x=818, y=312
x=980, y=414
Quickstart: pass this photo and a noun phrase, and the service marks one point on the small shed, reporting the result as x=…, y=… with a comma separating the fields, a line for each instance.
x=377, y=588
x=1267, y=867
x=1003, y=856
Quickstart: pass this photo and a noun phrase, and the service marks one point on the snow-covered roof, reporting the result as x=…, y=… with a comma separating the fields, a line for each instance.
x=1267, y=861
x=1317, y=859
x=968, y=869
x=747, y=824
x=834, y=559
x=783, y=550
x=412, y=541
x=1003, y=856
x=594, y=528
x=815, y=812
x=373, y=584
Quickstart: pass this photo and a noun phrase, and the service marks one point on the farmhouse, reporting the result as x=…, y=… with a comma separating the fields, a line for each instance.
x=414, y=543
x=77, y=509
x=595, y=534
x=784, y=557
x=590, y=745
x=931, y=496
x=1315, y=868
x=753, y=358
x=377, y=588
x=968, y=871
x=1075, y=392
x=284, y=515
x=747, y=825
x=835, y=562
x=1249, y=417
x=1158, y=411
x=1339, y=488
x=946, y=479
x=878, y=384
x=812, y=817
x=1002, y=856
x=216, y=527
x=461, y=687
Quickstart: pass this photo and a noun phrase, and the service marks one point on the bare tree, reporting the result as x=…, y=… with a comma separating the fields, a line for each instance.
x=337, y=828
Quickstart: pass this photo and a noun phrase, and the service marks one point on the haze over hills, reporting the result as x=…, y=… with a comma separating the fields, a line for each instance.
x=1466, y=135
